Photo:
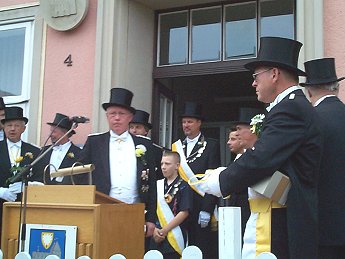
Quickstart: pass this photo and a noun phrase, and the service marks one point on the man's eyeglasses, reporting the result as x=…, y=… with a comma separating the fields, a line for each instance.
x=261, y=72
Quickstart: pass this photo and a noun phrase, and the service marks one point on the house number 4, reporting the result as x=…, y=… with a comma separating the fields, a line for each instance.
x=68, y=61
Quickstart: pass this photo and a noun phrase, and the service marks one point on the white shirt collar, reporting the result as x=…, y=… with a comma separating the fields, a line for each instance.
x=17, y=144
x=323, y=98
x=123, y=136
x=63, y=147
x=281, y=96
x=194, y=139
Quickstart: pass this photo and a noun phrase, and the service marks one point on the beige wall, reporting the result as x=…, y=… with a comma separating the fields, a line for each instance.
x=334, y=37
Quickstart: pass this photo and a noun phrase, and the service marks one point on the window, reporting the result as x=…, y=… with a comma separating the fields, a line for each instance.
x=15, y=61
x=165, y=121
x=222, y=33
x=240, y=31
x=275, y=15
x=173, y=40
x=206, y=34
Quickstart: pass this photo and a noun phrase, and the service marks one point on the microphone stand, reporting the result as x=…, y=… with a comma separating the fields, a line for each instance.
x=23, y=175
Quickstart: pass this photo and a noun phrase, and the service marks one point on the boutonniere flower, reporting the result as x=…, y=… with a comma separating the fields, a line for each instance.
x=70, y=155
x=256, y=123
x=140, y=151
x=29, y=155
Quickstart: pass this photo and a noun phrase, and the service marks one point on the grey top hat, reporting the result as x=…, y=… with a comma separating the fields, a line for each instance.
x=2, y=104
x=62, y=121
x=120, y=97
x=320, y=71
x=142, y=117
x=192, y=110
x=14, y=113
x=278, y=52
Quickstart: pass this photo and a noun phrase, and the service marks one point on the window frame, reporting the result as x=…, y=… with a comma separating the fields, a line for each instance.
x=28, y=24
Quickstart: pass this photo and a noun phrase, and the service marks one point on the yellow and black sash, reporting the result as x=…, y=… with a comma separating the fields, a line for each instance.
x=165, y=215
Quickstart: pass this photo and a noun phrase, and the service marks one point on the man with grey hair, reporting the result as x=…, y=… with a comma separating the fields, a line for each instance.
x=322, y=86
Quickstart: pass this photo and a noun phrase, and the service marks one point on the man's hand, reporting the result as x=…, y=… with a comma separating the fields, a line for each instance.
x=204, y=219
x=150, y=227
x=7, y=195
x=211, y=183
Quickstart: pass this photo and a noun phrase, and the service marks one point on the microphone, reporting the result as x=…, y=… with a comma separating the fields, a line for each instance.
x=80, y=119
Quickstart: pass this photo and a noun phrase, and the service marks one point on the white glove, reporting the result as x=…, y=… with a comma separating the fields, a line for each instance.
x=211, y=184
x=34, y=183
x=16, y=187
x=204, y=219
x=7, y=195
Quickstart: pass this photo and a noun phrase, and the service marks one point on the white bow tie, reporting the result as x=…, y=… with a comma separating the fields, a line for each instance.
x=57, y=148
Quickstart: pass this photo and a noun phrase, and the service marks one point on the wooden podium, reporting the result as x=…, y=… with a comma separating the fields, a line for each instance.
x=106, y=226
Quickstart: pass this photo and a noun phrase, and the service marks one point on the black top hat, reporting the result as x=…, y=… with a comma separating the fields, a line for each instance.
x=193, y=110
x=14, y=113
x=62, y=121
x=2, y=104
x=278, y=52
x=142, y=117
x=120, y=97
x=246, y=115
x=320, y=71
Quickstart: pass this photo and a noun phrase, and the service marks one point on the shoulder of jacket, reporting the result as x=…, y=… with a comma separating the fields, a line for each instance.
x=97, y=134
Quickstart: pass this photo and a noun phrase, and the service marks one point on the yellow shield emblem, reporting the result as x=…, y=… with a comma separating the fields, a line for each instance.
x=47, y=239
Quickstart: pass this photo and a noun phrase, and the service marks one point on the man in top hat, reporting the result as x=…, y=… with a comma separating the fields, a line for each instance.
x=322, y=86
x=63, y=155
x=246, y=139
x=14, y=154
x=124, y=163
x=201, y=153
x=290, y=142
x=140, y=126
x=2, y=116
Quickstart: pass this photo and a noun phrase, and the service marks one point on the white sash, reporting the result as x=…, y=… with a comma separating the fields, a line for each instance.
x=185, y=171
x=165, y=215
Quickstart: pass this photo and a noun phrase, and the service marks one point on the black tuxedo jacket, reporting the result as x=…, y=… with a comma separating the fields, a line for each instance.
x=332, y=173
x=96, y=151
x=5, y=162
x=5, y=165
x=291, y=143
x=209, y=159
x=66, y=162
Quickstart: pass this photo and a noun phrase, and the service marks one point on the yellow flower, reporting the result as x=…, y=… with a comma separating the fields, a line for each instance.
x=19, y=159
x=70, y=155
x=139, y=152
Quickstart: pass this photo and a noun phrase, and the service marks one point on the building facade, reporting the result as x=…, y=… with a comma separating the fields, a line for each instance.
x=65, y=56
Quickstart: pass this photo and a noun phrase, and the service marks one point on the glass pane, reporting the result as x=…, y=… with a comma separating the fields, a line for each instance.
x=173, y=38
x=277, y=18
x=206, y=35
x=12, y=44
x=240, y=30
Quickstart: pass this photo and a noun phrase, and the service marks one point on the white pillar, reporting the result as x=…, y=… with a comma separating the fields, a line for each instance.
x=230, y=234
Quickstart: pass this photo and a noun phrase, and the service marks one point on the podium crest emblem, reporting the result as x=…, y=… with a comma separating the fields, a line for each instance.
x=47, y=239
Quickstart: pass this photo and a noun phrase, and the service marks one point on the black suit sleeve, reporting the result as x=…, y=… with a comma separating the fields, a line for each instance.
x=283, y=132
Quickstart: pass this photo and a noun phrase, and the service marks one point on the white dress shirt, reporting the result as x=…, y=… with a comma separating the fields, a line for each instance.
x=14, y=151
x=123, y=168
x=2, y=135
x=58, y=154
x=190, y=144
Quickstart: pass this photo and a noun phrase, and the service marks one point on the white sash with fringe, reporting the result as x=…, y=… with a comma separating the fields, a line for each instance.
x=165, y=215
x=185, y=171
